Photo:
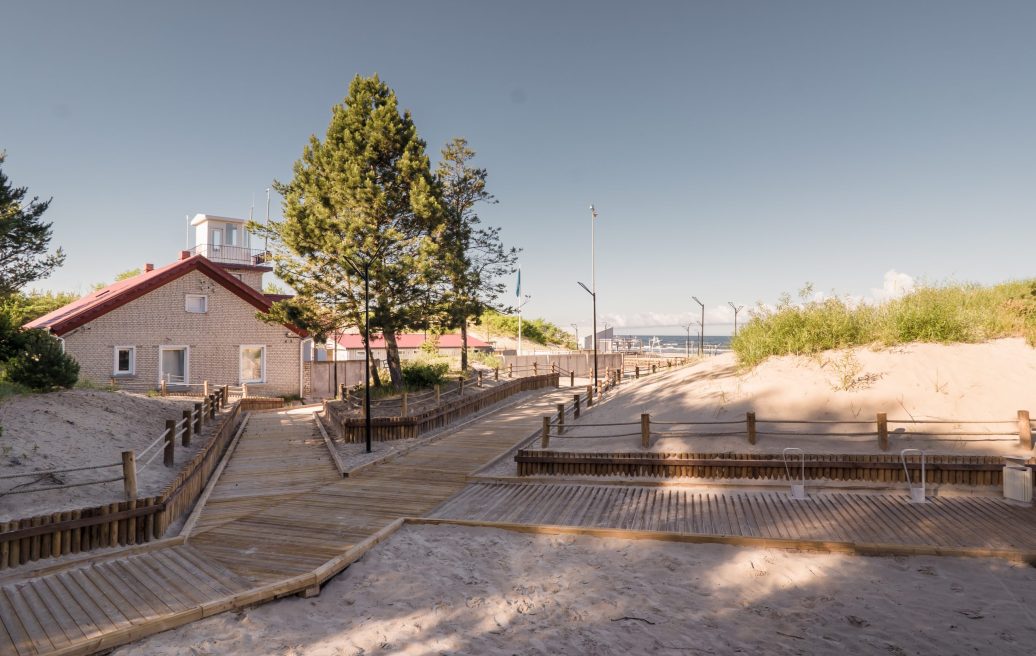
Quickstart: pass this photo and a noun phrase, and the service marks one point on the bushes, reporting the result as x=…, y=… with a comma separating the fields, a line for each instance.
x=39, y=363
x=947, y=314
x=424, y=373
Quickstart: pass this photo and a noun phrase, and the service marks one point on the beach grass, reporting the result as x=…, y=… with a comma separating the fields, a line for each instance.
x=955, y=313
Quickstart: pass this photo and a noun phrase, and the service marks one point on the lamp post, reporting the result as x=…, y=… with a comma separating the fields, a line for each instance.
x=736, y=308
x=593, y=295
x=575, y=327
x=521, y=304
x=701, y=340
x=687, y=344
x=593, y=280
x=364, y=272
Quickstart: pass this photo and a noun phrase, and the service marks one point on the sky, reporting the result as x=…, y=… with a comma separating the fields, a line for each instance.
x=734, y=150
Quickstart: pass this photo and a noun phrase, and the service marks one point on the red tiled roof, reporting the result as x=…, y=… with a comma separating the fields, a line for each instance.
x=103, y=301
x=408, y=340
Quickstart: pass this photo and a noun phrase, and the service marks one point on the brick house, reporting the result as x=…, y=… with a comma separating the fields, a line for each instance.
x=185, y=323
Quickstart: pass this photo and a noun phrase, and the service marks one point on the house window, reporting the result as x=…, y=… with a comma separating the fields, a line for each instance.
x=197, y=303
x=125, y=361
x=253, y=364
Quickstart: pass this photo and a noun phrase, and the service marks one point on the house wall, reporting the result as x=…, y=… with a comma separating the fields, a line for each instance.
x=158, y=319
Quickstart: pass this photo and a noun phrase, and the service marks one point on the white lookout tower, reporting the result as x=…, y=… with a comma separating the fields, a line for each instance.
x=225, y=241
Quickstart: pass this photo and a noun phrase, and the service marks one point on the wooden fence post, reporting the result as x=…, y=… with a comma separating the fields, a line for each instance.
x=618, y=376
x=750, y=420
x=213, y=406
x=654, y=368
x=437, y=394
x=571, y=379
x=170, y=442
x=226, y=396
x=129, y=474
x=575, y=399
x=545, y=439
x=341, y=392
x=1024, y=429
x=561, y=418
x=883, y=431
x=589, y=396
x=636, y=372
x=480, y=378
x=496, y=373
x=535, y=369
x=163, y=389
x=645, y=430
x=460, y=379
x=510, y=370
x=198, y=421
x=188, y=428
x=244, y=390
x=204, y=388
x=403, y=408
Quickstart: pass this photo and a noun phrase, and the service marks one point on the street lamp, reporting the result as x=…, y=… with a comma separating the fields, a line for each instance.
x=593, y=276
x=736, y=308
x=701, y=340
x=364, y=272
x=593, y=295
x=575, y=327
x=521, y=304
x=687, y=344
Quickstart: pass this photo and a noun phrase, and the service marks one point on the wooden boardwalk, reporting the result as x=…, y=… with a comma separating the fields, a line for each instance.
x=963, y=522
x=279, y=520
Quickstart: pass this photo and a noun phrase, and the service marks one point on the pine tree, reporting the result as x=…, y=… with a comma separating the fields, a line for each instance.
x=477, y=258
x=362, y=200
x=40, y=364
x=24, y=238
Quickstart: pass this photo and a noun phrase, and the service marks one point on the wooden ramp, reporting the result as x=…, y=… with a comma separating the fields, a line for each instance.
x=279, y=520
x=963, y=523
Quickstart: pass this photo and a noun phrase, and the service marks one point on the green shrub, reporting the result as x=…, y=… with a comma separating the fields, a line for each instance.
x=41, y=365
x=419, y=374
x=946, y=314
x=487, y=359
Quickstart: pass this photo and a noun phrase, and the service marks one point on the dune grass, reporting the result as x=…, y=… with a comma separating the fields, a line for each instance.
x=944, y=314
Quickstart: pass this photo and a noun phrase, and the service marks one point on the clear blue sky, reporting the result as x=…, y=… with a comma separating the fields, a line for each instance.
x=735, y=150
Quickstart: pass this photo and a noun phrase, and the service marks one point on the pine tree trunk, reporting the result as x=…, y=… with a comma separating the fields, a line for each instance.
x=372, y=371
x=392, y=359
x=464, y=345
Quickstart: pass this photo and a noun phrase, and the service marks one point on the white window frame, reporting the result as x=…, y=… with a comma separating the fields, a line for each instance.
x=132, y=361
x=186, y=361
x=186, y=303
x=241, y=353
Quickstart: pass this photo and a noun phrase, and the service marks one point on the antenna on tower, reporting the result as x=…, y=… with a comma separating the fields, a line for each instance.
x=266, y=242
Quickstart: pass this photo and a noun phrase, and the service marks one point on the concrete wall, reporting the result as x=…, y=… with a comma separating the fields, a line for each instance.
x=158, y=319
x=581, y=363
x=321, y=377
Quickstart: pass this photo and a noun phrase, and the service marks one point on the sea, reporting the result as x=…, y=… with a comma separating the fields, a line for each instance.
x=677, y=344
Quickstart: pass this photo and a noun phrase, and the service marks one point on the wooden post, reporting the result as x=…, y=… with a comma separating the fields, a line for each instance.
x=510, y=370
x=213, y=406
x=654, y=368
x=575, y=399
x=204, y=388
x=1024, y=429
x=571, y=379
x=750, y=420
x=188, y=428
x=226, y=396
x=645, y=430
x=480, y=378
x=545, y=439
x=496, y=373
x=636, y=372
x=197, y=418
x=244, y=390
x=883, y=431
x=535, y=369
x=618, y=376
x=170, y=442
x=553, y=367
x=589, y=396
x=163, y=389
x=341, y=392
x=561, y=418
x=403, y=408
x=460, y=379
x=437, y=394
x=129, y=474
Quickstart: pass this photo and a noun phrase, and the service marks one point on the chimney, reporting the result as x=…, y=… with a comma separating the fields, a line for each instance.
x=184, y=255
x=149, y=267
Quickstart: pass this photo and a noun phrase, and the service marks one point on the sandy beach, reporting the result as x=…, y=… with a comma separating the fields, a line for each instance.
x=442, y=589
x=917, y=382
x=78, y=428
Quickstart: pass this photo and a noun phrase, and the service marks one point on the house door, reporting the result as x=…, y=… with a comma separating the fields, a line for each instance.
x=173, y=365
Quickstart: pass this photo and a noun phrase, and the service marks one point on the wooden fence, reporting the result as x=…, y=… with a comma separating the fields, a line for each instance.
x=352, y=428
x=135, y=520
x=947, y=469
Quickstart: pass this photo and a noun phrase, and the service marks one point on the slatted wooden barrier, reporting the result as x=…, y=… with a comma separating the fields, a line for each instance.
x=124, y=523
x=948, y=469
x=352, y=429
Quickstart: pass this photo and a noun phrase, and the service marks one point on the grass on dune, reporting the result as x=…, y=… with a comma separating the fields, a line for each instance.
x=945, y=314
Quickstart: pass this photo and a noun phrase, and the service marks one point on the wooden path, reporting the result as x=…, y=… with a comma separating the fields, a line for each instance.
x=964, y=522
x=280, y=520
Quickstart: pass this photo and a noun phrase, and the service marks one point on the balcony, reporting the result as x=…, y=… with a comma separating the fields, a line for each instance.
x=239, y=255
